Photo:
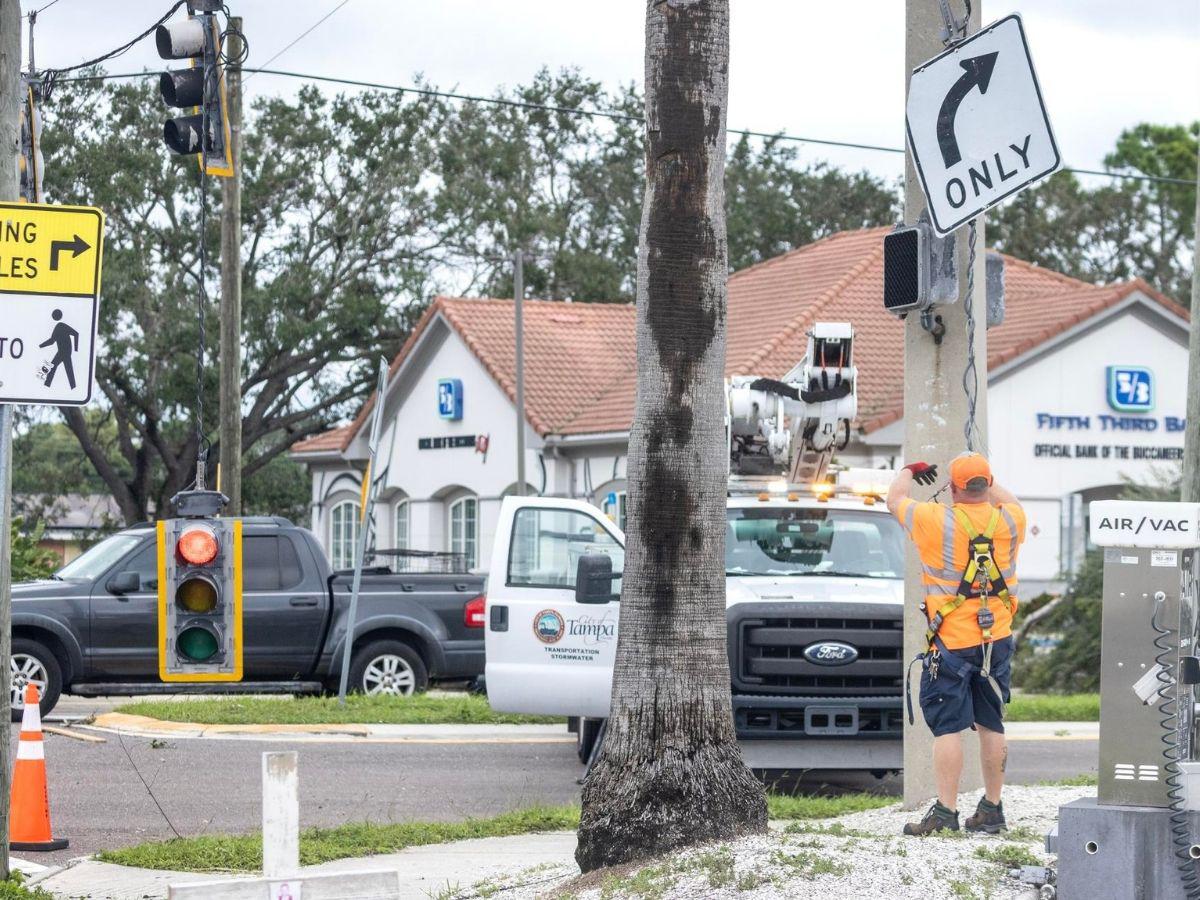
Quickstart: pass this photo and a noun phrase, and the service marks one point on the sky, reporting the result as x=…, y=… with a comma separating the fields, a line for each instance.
x=815, y=68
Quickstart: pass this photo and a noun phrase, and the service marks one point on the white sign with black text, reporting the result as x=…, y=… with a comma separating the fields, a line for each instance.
x=1145, y=523
x=977, y=125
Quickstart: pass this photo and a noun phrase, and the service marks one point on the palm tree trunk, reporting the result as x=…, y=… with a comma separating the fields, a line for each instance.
x=670, y=773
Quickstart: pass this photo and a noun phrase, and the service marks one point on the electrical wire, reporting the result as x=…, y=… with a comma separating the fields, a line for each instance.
x=37, y=12
x=50, y=76
x=971, y=372
x=301, y=36
x=1168, y=708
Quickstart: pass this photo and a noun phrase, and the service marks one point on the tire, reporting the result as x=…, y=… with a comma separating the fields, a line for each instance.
x=33, y=662
x=388, y=667
x=585, y=738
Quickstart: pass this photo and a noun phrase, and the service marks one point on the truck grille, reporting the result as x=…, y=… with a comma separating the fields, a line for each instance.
x=767, y=652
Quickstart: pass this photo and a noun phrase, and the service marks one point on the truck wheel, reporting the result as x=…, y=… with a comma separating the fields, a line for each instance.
x=33, y=663
x=388, y=667
x=585, y=738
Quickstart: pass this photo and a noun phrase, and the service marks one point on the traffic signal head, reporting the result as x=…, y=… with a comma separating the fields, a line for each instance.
x=200, y=599
x=199, y=89
x=919, y=268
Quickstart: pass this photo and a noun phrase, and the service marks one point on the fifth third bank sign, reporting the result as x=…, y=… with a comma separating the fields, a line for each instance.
x=977, y=124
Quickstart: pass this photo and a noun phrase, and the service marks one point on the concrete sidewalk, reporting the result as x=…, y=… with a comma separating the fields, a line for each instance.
x=424, y=871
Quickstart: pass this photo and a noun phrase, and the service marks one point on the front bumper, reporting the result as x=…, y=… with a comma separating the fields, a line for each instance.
x=839, y=753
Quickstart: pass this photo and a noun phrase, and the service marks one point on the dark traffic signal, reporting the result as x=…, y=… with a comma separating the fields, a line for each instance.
x=199, y=89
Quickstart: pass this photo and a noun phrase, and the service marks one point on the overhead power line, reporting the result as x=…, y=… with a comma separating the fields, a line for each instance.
x=608, y=114
x=298, y=38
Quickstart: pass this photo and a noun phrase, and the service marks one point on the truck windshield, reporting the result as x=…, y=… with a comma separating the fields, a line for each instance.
x=98, y=559
x=813, y=541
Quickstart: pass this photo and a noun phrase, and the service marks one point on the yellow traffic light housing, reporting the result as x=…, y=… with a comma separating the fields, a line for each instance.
x=199, y=89
x=200, y=599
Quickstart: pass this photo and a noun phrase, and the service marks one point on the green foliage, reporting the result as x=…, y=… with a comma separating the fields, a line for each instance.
x=1073, y=666
x=419, y=709
x=280, y=488
x=1054, y=708
x=243, y=853
x=29, y=561
x=1119, y=229
x=1012, y=856
x=781, y=807
x=774, y=205
x=14, y=889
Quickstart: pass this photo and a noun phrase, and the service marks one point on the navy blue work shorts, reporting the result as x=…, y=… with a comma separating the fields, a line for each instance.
x=960, y=698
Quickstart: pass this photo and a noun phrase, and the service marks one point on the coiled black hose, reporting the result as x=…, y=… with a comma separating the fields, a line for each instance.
x=1168, y=707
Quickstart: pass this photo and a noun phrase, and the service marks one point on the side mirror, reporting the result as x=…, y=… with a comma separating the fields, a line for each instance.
x=593, y=579
x=124, y=583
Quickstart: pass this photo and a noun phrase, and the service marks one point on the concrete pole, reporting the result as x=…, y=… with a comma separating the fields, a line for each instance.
x=518, y=304
x=1191, y=436
x=935, y=407
x=231, y=288
x=281, y=814
x=10, y=137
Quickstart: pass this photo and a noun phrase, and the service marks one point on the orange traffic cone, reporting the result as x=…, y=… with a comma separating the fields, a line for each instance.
x=29, y=827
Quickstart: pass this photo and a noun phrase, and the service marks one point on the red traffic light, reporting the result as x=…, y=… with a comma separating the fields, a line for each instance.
x=197, y=545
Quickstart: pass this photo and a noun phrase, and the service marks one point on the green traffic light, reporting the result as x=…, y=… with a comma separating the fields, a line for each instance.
x=197, y=644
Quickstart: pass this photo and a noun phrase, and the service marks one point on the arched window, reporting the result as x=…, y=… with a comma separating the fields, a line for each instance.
x=402, y=525
x=464, y=529
x=343, y=533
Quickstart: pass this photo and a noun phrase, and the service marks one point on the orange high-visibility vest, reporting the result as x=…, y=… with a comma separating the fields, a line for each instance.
x=942, y=544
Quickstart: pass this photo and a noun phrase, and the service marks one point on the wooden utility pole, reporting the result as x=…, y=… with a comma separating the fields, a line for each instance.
x=1191, y=436
x=935, y=405
x=670, y=772
x=10, y=138
x=231, y=286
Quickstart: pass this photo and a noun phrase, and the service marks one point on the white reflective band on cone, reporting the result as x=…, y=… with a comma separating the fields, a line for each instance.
x=31, y=750
x=31, y=719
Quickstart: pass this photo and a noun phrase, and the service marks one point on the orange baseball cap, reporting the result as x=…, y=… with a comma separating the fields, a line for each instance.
x=967, y=468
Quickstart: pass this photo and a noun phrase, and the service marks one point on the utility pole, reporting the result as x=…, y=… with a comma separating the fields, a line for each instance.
x=935, y=405
x=231, y=286
x=518, y=304
x=10, y=137
x=1190, y=491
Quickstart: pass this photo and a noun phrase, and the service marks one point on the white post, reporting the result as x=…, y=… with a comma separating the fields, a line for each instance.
x=281, y=814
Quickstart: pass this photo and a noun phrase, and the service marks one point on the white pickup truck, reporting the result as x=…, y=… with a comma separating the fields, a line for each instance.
x=814, y=596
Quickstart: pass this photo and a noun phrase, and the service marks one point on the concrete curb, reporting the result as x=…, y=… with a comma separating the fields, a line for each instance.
x=144, y=726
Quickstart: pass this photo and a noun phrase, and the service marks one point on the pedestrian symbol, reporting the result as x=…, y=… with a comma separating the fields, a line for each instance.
x=66, y=340
x=49, y=302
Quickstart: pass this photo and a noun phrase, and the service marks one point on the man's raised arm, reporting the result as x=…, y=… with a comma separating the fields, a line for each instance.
x=901, y=488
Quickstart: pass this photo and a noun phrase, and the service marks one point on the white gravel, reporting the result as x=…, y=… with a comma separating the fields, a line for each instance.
x=862, y=855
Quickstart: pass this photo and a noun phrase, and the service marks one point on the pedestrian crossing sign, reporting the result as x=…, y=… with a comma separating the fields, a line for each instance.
x=50, y=260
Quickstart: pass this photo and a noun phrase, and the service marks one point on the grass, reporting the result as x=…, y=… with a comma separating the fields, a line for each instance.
x=243, y=853
x=1054, y=708
x=14, y=889
x=1011, y=856
x=790, y=808
x=419, y=709
x=1087, y=779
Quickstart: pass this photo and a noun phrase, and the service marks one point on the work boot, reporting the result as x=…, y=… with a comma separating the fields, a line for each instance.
x=939, y=818
x=989, y=817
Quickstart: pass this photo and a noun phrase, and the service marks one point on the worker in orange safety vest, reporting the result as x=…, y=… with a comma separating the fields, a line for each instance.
x=968, y=553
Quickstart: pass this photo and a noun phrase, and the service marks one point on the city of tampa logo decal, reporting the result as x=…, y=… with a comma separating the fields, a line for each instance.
x=549, y=626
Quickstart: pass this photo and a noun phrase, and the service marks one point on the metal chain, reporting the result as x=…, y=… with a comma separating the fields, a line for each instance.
x=971, y=373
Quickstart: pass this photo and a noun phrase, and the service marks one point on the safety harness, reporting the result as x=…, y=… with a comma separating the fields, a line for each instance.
x=981, y=578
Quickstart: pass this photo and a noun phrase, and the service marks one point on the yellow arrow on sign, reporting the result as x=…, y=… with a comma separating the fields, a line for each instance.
x=48, y=249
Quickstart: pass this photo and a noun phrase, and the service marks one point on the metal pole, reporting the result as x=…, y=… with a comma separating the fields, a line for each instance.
x=518, y=304
x=231, y=288
x=10, y=83
x=364, y=529
x=1190, y=489
x=935, y=405
x=281, y=814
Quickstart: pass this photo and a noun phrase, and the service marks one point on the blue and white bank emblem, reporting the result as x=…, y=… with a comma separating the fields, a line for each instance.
x=1130, y=388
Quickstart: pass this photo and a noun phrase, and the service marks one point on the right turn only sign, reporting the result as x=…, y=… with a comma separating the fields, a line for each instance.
x=977, y=124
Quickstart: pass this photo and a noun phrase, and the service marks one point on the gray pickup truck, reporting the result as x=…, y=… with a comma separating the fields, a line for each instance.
x=92, y=627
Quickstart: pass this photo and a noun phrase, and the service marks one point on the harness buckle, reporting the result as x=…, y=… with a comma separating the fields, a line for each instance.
x=986, y=619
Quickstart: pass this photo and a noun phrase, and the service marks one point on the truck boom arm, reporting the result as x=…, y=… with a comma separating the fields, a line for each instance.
x=793, y=425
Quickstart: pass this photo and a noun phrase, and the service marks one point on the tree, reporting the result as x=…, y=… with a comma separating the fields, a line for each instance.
x=339, y=246
x=776, y=206
x=29, y=561
x=670, y=772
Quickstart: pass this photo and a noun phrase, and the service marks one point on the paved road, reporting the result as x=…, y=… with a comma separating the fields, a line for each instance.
x=99, y=801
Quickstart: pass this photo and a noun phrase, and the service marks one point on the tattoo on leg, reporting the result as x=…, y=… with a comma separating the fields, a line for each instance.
x=1004, y=759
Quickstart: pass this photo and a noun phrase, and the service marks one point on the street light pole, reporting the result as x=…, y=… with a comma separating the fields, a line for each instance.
x=518, y=304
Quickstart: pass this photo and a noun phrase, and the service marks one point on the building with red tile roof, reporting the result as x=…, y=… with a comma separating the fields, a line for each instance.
x=580, y=383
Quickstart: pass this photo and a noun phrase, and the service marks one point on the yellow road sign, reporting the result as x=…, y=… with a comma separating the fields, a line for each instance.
x=50, y=249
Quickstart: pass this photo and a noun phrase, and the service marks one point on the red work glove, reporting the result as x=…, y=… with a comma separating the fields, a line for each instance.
x=923, y=473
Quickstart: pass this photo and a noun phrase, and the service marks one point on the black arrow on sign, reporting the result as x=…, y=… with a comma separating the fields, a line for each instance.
x=977, y=72
x=76, y=247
